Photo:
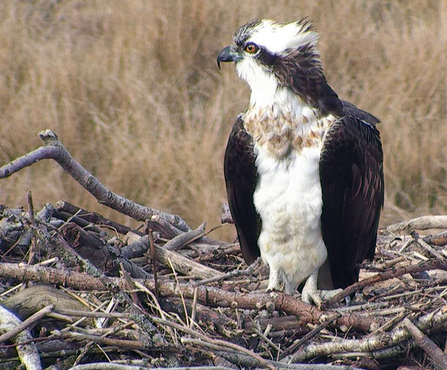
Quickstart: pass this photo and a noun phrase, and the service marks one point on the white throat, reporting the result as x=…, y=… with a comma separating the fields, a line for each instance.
x=268, y=95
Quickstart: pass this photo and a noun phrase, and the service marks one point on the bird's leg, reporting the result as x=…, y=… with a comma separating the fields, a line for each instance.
x=311, y=293
x=274, y=280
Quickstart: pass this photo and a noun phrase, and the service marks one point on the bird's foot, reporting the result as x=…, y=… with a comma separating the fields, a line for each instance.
x=312, y=295
x=275, y=284
x=317, y=297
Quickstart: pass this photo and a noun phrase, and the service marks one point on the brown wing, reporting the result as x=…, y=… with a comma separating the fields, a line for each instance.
x=241, y=178
x=351, y=175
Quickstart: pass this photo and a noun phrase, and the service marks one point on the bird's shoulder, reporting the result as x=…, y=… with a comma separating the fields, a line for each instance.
x=239, y=155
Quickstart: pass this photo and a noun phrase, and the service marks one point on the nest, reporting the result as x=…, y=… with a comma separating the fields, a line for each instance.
x=79, y=291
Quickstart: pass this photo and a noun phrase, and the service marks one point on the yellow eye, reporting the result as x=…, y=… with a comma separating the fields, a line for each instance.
x=251, y=48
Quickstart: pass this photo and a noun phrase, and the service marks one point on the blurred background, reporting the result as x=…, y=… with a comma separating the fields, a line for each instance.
x=133, y=92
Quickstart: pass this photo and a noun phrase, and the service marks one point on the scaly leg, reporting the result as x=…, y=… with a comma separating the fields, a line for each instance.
x=311, y=293
x=274, y=280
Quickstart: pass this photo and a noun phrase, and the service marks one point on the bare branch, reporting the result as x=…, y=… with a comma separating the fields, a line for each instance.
x=420, y=223
x=53, y=149
x=370, y=344
x=206, y=295
x=28, y=353
x=392, y=273
x=26, y=324
x=438, y=357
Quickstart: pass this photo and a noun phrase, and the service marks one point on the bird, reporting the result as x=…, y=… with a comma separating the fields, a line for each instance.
x=303, y=169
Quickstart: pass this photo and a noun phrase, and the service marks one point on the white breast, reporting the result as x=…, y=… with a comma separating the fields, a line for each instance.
x=289, y=201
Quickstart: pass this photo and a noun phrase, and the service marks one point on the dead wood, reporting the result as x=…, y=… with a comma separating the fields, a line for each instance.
x=368, y=345
x=180, y=263
x=28, y=354
x=437, y=239
x=427, y=247
x=66, y=208
x=188, y=322
x=105, y=257
x=276, y=324
x=53, y=149
x=34, y=298
x=393, y=273
x=438, y=357
x=26, y=324
x=295, y=346
x=181, y=240
x=211, y=296
x=419, y=223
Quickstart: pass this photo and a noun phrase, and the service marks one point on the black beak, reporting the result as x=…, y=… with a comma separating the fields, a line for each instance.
x=228, y=54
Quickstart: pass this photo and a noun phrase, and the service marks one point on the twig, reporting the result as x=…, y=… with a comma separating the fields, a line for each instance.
x=103, y=256
x=183, y=239
x=267, y=340
x=28, y=353
x=53, y=149
x=396, y=272
x=389, y=324
x=419, y=223
x=226, y=217
x=295, y=346
x=377, y=342
x=31, y=208
x=432, y=350
x=27, y=323
x=247, y=271
x=117, y=315
x=113, y=366
x=206, y=295
x=193, y=309
x=427, y=247
x=242, y=360
x=181, y=263
x=217, y=342
x=154, y=263
x=94, y=218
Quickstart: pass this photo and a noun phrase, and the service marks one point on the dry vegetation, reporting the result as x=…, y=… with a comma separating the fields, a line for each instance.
x=133, y=91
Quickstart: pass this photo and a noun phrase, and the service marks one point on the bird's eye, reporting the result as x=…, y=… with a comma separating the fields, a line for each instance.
x=251, y=48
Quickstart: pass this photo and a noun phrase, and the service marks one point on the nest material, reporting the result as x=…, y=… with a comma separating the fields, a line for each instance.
x=79, y=291
x=116, y=294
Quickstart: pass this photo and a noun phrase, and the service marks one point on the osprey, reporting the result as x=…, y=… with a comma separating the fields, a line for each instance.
x=303, y=169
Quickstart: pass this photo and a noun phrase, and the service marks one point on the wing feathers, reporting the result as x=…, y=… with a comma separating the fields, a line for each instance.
x=351, y=174
x=240, y=178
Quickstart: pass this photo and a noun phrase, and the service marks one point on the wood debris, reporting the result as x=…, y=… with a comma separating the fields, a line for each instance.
x=79, y=291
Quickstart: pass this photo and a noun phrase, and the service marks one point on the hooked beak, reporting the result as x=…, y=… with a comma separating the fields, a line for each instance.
x=228, y=54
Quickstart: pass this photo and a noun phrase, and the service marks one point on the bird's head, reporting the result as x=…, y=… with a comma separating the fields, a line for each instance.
x=269, y=55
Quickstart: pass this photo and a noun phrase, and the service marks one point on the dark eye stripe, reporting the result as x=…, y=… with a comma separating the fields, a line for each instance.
x=266, y=57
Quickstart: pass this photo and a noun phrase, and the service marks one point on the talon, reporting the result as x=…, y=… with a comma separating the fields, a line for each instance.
x=328, y=294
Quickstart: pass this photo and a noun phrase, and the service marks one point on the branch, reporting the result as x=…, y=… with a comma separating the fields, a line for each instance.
x=181, y=263
x=28, y=353
x=438, y=357
x=427, y=247
x=392, y=273
x=420, y=223
x=210, y=296
x=53, y=149
x=372, y=343
x=27, y=323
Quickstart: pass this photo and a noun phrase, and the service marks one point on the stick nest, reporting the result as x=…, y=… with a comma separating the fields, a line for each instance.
x=79, y=291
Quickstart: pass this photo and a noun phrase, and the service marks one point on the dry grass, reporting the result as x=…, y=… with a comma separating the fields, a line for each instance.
x=133, y=91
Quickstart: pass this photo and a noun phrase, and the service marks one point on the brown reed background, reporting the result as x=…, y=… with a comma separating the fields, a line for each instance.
x=133, y=92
